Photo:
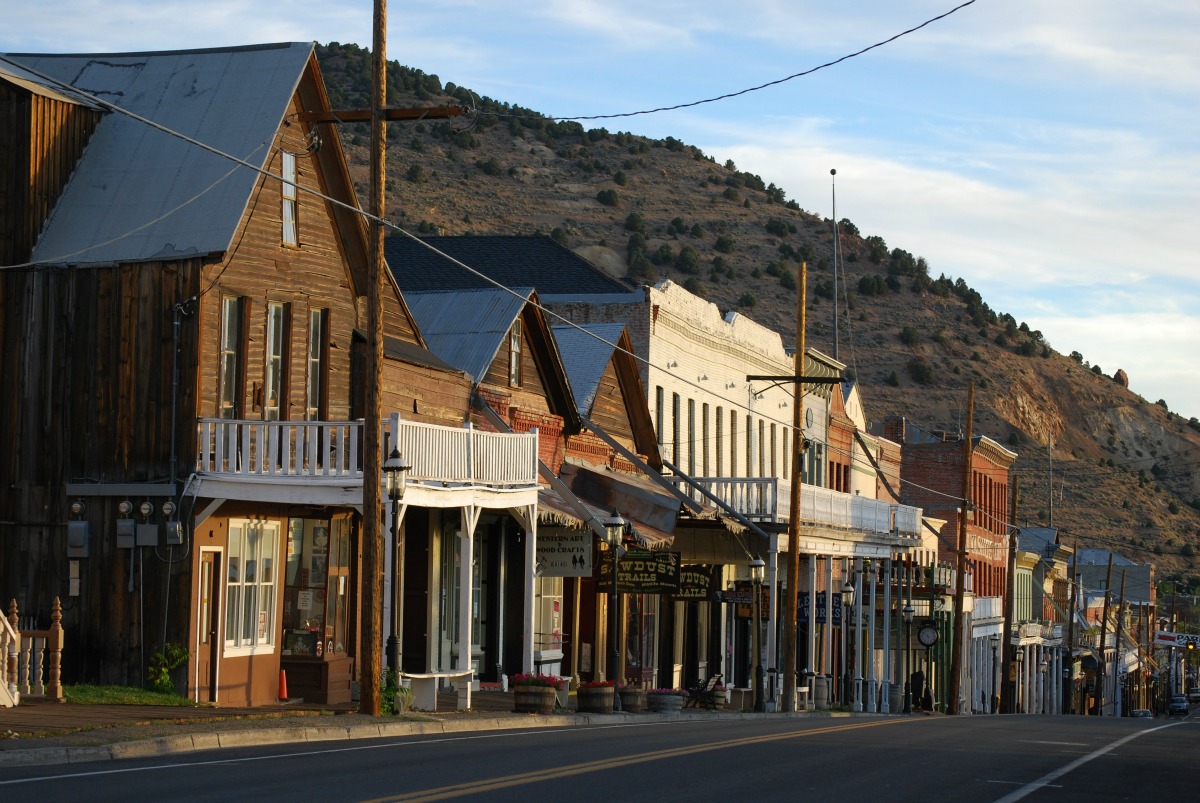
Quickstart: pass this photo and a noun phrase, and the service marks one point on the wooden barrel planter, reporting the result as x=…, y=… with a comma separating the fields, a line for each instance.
x=534, y=699
x=597, y=700
x=665, y=703
x=633, y=701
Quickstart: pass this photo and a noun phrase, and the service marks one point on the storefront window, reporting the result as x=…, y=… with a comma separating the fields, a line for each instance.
x=251, y=584
x=549, y=605
x=315, y=595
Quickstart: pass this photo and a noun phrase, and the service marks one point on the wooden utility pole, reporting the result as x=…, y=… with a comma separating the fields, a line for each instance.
x=1102, y=664
x=791, y=609
x=1007, y=689
x=370, y=669
x=1068, y=692
x=960, y=582
x=1117, y=673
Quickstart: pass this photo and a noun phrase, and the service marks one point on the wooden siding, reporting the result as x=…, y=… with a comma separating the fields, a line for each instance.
x=41, y=140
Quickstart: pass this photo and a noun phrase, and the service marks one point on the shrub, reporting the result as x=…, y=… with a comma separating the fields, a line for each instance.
x=910, y=336
x=920, y=370
x=688, y=260
x=787, y=280
x=608, y=197
x=747, y=300
x=635, y=223
x=491, y=166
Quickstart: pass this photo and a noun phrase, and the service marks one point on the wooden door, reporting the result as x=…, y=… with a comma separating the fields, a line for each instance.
x=208, y=625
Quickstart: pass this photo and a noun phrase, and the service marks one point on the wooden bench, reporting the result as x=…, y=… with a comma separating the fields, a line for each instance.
x=704, y=694
x=425, y=687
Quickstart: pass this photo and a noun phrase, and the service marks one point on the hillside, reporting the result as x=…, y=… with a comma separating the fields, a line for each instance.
x=1124, y=468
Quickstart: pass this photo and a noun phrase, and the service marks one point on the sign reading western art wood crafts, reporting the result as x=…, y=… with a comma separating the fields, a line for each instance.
x=641, y=571
x=564, y=553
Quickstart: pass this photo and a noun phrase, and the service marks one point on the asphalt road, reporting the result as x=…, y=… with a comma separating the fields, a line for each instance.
x=982, y=758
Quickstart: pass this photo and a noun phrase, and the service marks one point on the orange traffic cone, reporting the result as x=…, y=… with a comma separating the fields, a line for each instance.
x=283, y=695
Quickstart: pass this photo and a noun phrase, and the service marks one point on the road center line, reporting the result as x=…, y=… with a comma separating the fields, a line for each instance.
x=1048, y=778
x=1068, y=744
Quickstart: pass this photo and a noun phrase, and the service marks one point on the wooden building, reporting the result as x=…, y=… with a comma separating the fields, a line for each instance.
x=182, y=335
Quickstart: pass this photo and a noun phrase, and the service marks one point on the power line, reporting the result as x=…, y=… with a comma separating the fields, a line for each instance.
x=760, y=87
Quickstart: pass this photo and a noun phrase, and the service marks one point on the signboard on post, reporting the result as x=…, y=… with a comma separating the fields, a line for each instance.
x=564, y=553
x=640, y=571
x=822, y=617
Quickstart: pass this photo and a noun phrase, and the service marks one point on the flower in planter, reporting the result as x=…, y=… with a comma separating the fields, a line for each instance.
x=675, y=692
x=599, y=684
x=533, y=679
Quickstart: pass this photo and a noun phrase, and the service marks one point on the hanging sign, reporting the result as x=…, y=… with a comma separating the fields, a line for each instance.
x=696, y=584
x=822, y=618
x=564, y=553
x=641, y=571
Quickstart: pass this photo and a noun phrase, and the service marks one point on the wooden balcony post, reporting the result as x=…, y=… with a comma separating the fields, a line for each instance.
x=54, y=646
x=13, y=650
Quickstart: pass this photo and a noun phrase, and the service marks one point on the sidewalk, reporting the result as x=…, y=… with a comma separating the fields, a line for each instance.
x=38, y=732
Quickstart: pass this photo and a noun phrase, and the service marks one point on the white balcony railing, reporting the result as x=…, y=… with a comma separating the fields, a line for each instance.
x=756, y=498
x=331, y=451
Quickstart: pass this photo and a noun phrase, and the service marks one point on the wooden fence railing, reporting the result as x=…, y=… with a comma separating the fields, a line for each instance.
x=32, y=665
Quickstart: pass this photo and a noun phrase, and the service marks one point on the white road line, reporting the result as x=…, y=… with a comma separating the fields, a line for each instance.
x=1046, y=779
x=1068, y=744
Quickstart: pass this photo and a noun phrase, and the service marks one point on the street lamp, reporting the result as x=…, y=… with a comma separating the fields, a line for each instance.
x=907, y=615
x=1040, y=703
x=394, y=471
x=994, y=639
x=758, y=570
x=614, y=535
x=1019, y=684
x=1067, y=690
x=847, y=602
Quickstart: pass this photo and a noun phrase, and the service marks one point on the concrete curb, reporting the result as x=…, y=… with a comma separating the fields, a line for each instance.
x=196, y=742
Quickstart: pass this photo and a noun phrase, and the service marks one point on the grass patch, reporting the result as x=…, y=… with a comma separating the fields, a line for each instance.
x=85, y=694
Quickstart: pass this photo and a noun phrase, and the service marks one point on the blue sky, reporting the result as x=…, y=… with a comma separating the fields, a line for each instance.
x=1046, y=153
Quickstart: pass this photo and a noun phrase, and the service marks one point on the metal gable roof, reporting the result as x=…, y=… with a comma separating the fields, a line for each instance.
x=468, y=327
x=585, y=358
x=141, y=194
x=512, y=261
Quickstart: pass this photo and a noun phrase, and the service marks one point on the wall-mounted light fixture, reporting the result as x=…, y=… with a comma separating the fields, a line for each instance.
x=673, y=364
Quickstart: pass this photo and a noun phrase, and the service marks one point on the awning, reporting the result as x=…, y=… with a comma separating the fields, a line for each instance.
x=556, y=511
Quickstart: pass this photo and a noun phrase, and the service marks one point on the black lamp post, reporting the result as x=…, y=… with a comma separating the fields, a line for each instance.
x=994, y=640
x=1019, y=684
x=907, y=615
x=394, y=470
x=847, y=603
x=614, y=534
x=758, y=570
x=1066, y=682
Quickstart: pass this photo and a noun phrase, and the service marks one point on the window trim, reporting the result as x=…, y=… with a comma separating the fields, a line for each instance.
x=289, y=204
x=231, y=350
x=316, y=369
x=275, y=360
x=516, y=353
x=233, y=592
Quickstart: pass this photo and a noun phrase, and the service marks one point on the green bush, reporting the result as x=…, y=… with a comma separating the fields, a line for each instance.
x=162, y=664
x=608, y=197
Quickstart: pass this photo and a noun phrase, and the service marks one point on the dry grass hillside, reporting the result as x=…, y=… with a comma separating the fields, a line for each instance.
x=1124, y=468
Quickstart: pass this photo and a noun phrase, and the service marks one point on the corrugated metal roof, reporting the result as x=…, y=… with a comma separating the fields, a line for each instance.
x=467, y=328
x=133, y=196
x=586, y=357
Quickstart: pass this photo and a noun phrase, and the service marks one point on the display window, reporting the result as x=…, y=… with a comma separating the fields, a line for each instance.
x=316, y=587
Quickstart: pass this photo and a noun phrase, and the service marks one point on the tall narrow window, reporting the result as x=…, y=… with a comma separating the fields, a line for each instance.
x=749, y=446
x=659, y=426
x=774, y=453
x=787, y=450
x=719, y=445
x=733, y=443
x=275, y=368
x=704, y=445
x=233, y=342
x=691, y=424
x=762, y=449
x=515, y=342
x=675, y=424
x=288, y=171
x=315, y=397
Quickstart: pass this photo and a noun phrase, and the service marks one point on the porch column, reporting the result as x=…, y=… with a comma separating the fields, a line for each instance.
x=466, y=558
x=856, y=632
x=528, y=613
x=885, y=687
x=872, y=689
x=813, y=667
x=772, y=693
x=827, y=636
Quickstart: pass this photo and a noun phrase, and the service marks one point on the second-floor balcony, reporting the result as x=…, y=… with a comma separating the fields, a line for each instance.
x=299, y=458
x=759, y=499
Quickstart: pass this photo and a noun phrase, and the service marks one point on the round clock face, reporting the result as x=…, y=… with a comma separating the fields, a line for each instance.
x=808, y=417
x=927, y=635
